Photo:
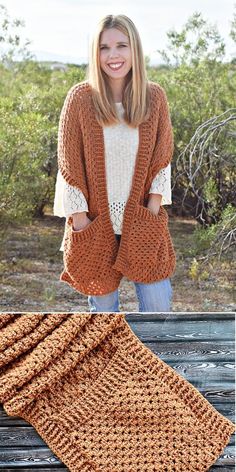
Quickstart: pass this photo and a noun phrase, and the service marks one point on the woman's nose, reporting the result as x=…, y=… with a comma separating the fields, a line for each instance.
x=114, y=54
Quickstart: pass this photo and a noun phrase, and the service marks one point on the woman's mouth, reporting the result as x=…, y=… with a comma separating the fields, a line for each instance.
x=116, y=66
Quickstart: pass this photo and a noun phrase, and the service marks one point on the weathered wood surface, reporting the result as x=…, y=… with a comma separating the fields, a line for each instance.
x=198, y=346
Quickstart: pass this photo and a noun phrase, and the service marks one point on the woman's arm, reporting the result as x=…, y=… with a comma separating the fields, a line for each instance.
x=160, y=191
x=70, y=201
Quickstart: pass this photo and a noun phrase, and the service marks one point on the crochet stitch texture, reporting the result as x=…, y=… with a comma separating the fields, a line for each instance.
x=94, y=262
x=101, y=400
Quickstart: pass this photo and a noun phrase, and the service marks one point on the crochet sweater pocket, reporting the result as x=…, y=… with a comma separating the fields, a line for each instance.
x=150, y=250
x=87, y=267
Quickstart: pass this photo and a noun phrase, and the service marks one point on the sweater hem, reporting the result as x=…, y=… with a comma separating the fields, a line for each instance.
x=65, y=277
x=60, y=444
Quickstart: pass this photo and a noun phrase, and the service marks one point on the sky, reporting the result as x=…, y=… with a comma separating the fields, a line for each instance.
x=62, y=29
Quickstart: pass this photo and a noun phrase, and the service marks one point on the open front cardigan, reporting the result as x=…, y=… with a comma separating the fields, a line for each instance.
x=101, y=399
x=121, y=145
x=94, y=261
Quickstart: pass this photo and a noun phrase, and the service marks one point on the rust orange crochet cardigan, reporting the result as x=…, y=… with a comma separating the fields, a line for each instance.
x=94, y=262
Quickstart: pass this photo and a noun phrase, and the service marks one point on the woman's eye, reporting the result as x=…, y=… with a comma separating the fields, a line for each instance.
x=121, y=45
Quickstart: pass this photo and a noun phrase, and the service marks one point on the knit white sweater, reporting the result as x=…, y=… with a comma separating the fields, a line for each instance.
x=121, y=146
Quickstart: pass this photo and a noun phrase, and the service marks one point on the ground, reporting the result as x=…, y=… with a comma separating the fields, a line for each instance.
x=31, y=264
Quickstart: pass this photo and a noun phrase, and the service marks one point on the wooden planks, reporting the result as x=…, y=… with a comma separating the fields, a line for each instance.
x=198, y=346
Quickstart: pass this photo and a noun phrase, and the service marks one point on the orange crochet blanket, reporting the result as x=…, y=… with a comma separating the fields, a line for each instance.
x=101, y=400
x=94, y=262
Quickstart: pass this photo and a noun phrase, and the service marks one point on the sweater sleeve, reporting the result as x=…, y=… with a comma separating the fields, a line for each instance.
x=161, y=184
x=70, y=149
x=68, y=199
x=164, y=145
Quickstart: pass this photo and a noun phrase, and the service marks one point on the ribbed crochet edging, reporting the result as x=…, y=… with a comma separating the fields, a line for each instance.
x=127, y=358
x=27, y=380
x=23, y=325
x=16, y=347
x=60, y=444
x=70, y=179
x=6, y=318
x=146, y=213
x=89, y=230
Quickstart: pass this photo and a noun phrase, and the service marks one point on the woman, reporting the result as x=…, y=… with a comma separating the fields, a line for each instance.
x=115, y=144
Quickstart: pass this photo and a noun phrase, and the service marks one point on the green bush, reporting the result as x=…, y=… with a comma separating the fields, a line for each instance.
x=217, y=238
x=29, y=114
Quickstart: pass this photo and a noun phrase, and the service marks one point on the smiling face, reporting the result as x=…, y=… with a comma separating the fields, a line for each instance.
x=115, y=54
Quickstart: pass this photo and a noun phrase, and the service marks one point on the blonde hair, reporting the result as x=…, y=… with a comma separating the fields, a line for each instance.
x=136, y=92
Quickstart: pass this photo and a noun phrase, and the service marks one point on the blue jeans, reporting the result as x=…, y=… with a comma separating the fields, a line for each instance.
x=152, y=297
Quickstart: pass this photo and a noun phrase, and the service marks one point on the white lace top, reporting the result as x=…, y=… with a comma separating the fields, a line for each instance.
x=121, y=146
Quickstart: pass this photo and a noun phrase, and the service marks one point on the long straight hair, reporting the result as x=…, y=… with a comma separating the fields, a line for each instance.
x=136, y=93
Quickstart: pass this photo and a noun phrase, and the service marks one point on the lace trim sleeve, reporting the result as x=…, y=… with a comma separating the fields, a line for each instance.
x=68, y=199
x=162, y=184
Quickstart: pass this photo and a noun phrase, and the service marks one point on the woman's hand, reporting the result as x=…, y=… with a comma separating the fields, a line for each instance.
x=154, y=203
x=80, y=221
